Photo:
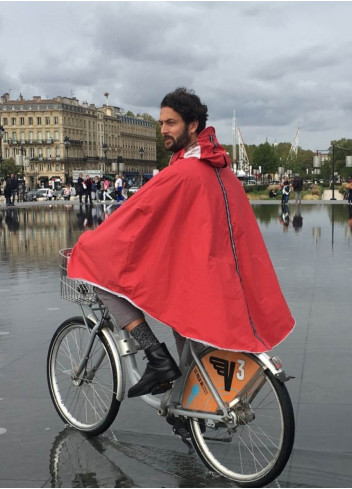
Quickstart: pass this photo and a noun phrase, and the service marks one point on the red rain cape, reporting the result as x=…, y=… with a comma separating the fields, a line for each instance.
x=187, y=250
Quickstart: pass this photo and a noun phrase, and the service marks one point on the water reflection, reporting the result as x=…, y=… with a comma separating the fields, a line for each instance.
x=39, y=232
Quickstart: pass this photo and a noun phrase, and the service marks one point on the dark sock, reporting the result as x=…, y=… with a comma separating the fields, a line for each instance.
x=144, y=336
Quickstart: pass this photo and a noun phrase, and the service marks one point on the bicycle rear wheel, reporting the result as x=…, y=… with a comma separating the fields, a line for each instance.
x=88, y=403
x=254, y=450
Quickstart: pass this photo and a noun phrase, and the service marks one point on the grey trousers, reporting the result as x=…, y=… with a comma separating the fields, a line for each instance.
x=124, y=313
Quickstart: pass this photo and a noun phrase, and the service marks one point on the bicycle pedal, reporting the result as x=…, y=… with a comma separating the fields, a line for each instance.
x=161, y=388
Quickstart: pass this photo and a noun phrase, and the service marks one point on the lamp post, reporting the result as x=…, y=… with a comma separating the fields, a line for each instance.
x=105, y=150
x=2, y=131
x=67, y=146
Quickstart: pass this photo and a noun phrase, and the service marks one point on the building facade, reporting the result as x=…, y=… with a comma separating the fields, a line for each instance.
x=50, y=139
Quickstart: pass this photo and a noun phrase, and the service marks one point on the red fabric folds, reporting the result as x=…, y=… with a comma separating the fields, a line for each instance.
x=187, y=250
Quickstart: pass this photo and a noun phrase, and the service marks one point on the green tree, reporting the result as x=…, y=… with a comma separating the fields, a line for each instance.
x=266, y=157
x=342, y=148
x=162, y=156
x=8, y=167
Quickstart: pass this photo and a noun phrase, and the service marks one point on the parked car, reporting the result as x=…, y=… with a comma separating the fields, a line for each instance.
x=45, y=193
x=31, y=196
x=133, y=189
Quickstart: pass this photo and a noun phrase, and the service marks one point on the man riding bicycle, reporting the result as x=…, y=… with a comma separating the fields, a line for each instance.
x=186, y=249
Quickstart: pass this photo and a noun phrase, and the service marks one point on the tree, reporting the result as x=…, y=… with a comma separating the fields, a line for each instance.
x=162, y=156
x=266, y=157
x=342, y=148
x=8, y=167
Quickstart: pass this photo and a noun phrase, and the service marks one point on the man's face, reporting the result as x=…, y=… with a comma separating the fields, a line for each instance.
x=174, y=130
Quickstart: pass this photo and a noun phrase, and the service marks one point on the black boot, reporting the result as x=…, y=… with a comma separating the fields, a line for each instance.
x=161, y=369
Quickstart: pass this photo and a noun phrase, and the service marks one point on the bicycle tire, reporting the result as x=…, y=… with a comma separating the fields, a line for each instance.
x=88, y=404
x=255, y=451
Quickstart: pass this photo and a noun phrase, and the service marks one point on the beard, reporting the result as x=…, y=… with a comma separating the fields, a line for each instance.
x=176, y=144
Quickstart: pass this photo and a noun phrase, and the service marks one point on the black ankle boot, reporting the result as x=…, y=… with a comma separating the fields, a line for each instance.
x=161, y=369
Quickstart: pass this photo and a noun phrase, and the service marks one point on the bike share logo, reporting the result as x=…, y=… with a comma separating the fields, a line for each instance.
x=226, y=369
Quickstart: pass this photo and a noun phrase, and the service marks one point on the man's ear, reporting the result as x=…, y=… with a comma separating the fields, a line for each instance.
x=193, y=126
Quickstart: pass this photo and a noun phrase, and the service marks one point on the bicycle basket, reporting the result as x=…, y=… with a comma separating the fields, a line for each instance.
x=73, y=290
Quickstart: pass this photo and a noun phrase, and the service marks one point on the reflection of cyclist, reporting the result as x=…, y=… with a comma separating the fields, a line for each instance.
x=186, y=249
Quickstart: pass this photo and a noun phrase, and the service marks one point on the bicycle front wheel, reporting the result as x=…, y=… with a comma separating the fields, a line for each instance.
x=253, y=450
x=87, y=403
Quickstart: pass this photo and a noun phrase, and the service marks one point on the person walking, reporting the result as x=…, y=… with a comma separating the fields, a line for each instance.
x=106, y=193
x=196, y=264
x=118, y=189
x=80, y=187
x=88, y=185
x=97, y=182
x=11, y=190
x=350, y=192
x=286, y=190
x=297, y=188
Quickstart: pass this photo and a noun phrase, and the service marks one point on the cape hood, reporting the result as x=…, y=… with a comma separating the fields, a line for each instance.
x=187, y=250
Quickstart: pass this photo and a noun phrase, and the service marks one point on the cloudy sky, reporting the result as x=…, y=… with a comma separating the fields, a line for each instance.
x=277, y=64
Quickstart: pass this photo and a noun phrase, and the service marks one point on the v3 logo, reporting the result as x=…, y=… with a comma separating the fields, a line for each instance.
x=226, y=369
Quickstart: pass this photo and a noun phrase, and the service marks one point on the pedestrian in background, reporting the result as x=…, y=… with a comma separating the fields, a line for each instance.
x=297, y=188
x=11, y=189
x=118, y=188
x=286, y=192
x=106, y=192
x=97, y=182
x=87, y=185
x=350, y=192
x=80, y=189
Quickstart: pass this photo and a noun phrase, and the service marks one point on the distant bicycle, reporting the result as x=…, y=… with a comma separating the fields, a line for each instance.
x=235, y=405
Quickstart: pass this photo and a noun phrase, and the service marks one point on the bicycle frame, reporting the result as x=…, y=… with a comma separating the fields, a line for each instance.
x=125, y=348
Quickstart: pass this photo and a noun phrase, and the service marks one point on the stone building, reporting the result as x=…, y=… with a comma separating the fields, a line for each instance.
x=53, y=139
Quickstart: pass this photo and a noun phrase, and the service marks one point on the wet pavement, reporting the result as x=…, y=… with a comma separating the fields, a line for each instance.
x=311, y=248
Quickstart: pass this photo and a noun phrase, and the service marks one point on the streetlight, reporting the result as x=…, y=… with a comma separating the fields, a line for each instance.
x=105, y=150
x=2, y=131
x=67, y=146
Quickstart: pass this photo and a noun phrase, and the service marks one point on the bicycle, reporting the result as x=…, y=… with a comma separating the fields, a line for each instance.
x=235, y=405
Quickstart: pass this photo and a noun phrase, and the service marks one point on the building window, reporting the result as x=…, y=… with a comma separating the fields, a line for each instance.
x=56, y=135
x=31, y=136
x=21, y=121
x=23, y=136
x=4, y=121
x=14, y=137
x=40, y=137
x=41, y=167
x=31, y=153
x=47, y=121
x=30, y=121
x=39, y=121
x=13, y=121
x=6, y=153
x=56, y=120
x=48, y=137
x=48, y=166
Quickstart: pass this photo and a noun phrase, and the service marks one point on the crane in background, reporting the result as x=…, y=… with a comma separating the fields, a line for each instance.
x=241, y=166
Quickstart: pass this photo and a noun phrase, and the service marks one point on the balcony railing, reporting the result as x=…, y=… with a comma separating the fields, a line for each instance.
x=12, y=142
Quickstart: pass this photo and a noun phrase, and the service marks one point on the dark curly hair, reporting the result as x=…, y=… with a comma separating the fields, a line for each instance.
x=188, y=105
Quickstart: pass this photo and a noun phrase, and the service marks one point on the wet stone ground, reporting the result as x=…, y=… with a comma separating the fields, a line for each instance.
x=311, y=248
